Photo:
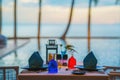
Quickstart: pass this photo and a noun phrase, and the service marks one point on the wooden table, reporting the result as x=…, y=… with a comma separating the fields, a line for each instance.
x=61, y=75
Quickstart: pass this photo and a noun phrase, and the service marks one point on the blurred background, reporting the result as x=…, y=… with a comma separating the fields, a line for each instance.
x=89, y=25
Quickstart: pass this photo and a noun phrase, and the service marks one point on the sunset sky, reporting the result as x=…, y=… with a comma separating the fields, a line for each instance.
x=57, y=12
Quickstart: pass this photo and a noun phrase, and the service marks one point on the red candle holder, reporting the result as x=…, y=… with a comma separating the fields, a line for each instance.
x=71, y=62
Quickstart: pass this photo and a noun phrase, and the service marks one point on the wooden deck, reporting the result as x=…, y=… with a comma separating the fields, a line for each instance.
x=12, y=47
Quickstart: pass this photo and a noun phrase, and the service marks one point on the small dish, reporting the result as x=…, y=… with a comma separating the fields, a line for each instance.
x=78, y=72
x=81, y=67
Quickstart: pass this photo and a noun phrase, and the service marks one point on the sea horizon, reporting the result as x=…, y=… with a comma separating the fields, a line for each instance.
x=53, y=30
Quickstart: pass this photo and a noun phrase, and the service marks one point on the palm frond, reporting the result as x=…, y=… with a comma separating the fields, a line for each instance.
x=96, y=2
x=73, y=50
x=117, y=2
x=69, y=46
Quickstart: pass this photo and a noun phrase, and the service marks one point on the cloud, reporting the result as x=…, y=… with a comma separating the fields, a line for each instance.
x=60, y=15
x=32, y=1
x=29, y=1
x=106, y=15
x=99, y=15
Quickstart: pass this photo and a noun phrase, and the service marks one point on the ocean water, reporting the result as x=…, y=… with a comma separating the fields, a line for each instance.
x=78, y=30
x=107, y=51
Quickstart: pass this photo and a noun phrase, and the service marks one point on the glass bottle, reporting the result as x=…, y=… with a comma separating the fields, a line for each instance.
x=71, y=62
x=53, y=66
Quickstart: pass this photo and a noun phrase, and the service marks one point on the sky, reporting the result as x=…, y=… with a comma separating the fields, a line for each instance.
x=57, y=12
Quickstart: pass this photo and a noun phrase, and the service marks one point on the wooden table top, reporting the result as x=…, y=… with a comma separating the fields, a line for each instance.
x=62, y=74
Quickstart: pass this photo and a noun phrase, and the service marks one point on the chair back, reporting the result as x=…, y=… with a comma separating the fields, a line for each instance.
x=9, y=73
x=113, y=72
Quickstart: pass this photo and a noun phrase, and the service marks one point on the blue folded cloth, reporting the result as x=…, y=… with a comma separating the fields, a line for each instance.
x=35, y=61
x=90, y=61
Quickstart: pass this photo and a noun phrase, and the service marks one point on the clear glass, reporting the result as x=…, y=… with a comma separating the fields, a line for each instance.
x=8, y=18
x=27, y=18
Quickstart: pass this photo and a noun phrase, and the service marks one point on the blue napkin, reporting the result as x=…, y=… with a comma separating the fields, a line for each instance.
x=35, y=61
x=90, y=61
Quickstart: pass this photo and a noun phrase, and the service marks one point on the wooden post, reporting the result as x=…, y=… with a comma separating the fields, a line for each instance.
x=4, y=73
x=0, y=16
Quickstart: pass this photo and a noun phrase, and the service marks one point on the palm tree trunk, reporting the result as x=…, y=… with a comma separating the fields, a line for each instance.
x=89, y=22
x=39, y=18
x=69, y=23
x=15, y=24
x=0, y=16
x=39, y=22
x=15, y=19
